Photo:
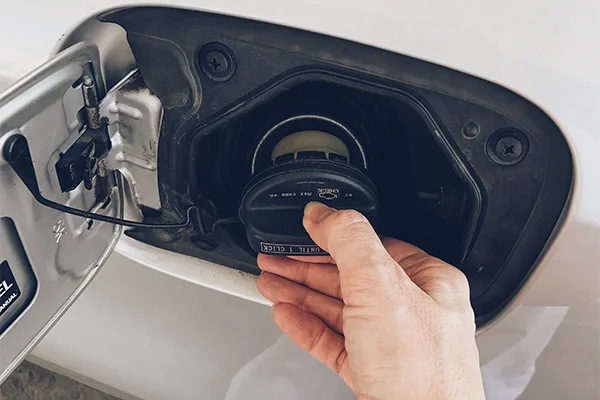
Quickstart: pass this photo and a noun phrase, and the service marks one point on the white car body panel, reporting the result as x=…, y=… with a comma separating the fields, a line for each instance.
x=123, y=332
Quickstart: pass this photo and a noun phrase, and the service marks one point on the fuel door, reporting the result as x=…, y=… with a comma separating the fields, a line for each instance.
x=53, y=141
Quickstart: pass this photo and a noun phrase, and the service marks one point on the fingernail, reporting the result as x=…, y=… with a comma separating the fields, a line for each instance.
x=258, y=262
x=316, y=211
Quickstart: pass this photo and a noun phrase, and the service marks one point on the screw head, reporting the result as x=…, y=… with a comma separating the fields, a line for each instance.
x=217, y=62
x=507, y=147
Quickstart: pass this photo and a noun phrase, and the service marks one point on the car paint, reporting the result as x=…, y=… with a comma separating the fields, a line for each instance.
x=161, y=326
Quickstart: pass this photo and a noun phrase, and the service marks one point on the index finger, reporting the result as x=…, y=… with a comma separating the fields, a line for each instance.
x=323, y=278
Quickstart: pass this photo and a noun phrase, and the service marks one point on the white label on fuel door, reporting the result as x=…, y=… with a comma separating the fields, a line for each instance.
x=9, y=289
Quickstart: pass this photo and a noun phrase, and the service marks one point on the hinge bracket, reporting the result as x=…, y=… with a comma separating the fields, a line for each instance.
x=80, y=162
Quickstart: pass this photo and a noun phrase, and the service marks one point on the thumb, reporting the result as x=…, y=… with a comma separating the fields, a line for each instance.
x=365, y=265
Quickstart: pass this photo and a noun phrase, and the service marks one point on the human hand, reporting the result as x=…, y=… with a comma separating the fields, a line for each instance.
x=391, y=320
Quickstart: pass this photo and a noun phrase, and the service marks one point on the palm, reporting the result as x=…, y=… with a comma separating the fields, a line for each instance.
x=308, y=297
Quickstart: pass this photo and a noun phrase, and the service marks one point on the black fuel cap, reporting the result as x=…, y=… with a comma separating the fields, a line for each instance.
x=307, y=166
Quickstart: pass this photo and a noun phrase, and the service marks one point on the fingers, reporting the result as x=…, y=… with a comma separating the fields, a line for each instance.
x=344, y=234
x=445, y=284
x=364, y=264
x=281, y=290
x=323, y=278
x=312, y=335
x=438, y=279
x=400, y=250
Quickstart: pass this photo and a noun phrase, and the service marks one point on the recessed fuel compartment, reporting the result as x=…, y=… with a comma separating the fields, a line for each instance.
x=424, y=198
x=468, y=170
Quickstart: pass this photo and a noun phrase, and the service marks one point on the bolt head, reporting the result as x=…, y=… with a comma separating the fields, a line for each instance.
x=217, y=62
x=507, y=147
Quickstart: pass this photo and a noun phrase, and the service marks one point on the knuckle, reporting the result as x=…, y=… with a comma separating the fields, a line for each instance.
x=468, y=314
x=457, y=287
x=339, y=361
x=418, y=257
x=316, y=341
x=458, y=281
x=462, y=317
x=303, y=298
x=402, y=251
x=301, y=273
x=365, y=288
x=363, y=314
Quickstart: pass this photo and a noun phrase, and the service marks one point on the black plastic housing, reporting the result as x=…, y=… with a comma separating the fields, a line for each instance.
x=274, y=201
x=426, y=130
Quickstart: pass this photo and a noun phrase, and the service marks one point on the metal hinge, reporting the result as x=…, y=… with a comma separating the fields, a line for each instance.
x=83, y=162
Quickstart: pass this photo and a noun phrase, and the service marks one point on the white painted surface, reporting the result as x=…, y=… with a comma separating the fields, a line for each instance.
x=135, y=325
x=545, y=346
x=154, y=336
